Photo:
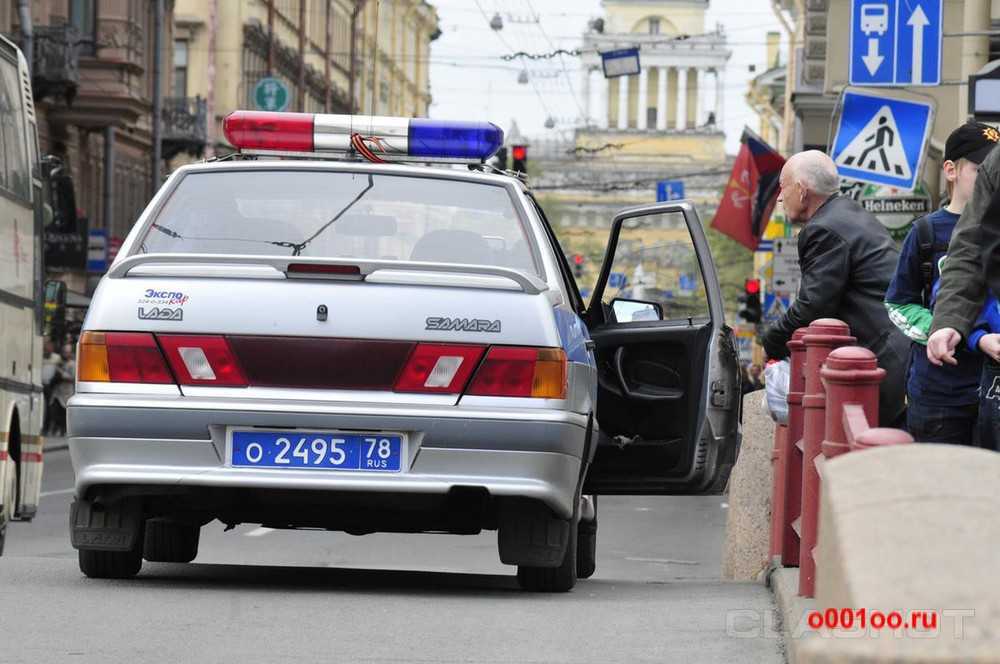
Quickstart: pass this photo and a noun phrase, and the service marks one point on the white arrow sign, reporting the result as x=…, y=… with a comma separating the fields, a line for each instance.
x=873, y=60
x=918, y=21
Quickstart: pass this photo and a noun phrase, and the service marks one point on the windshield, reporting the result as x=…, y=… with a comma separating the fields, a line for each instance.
x=341, y=215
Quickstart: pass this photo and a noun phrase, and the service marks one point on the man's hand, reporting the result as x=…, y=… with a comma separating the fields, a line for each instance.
x=990, y=344
x=941, y=346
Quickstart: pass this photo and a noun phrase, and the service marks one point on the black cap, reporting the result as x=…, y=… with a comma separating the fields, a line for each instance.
x=972, y=141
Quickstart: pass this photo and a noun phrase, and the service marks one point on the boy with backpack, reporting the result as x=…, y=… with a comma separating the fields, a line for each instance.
x=943, y=401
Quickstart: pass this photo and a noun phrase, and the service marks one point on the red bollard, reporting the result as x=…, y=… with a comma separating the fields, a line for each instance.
x=821, y=338
x=791, y=454
x=778, y=487
x=851, y=376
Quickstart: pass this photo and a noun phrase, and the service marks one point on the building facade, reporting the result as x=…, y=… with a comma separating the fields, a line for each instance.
x=92, y=65
x=660, y=124
x=314, y=56
x=817, y=73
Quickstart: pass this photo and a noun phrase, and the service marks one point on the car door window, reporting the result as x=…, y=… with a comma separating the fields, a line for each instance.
x=655, y=262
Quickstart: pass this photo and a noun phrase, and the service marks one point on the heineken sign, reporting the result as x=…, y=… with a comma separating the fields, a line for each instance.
x=914, y=205
x=896, y=209
x=271, y=94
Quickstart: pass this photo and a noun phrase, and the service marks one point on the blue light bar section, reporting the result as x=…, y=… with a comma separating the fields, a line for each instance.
x=453, y=138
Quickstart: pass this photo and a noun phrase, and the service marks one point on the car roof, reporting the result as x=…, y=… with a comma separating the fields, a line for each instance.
x=353, y=167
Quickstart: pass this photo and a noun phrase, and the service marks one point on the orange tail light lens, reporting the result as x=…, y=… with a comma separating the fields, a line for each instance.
x=93, y=362
x=121, y=357
x=521, y=372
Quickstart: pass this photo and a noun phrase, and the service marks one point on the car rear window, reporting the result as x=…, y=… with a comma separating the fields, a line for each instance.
x=341, y=215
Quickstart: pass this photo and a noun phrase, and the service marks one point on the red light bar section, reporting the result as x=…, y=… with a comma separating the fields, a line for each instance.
x=259, y=130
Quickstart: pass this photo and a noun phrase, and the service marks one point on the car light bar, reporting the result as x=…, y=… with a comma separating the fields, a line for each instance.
x=395, y=138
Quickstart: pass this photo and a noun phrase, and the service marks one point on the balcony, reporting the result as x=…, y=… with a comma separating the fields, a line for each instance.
x=185, y=126
x=55, y=70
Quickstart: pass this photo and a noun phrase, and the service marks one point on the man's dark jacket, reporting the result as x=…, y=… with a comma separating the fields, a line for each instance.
x=847, y=260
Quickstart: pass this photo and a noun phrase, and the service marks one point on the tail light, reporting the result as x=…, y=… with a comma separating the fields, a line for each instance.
x=438, y=368
x=521, y=372
x=121, y=357
x=202, y=360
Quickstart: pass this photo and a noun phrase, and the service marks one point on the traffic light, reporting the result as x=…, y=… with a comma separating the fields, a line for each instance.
x=500, y=159
x=751, y=309
x=519, y=158
x=578, y=265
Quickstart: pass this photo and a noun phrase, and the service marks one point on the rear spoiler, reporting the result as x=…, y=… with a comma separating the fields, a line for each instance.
x=375, y=271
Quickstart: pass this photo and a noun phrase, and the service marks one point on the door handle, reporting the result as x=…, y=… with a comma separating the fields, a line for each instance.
x=661, y=393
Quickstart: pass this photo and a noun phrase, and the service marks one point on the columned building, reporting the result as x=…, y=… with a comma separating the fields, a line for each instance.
x=664, y=123
x=680, y=86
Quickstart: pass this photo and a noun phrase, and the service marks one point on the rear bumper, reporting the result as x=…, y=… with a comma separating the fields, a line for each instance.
x=177, y=443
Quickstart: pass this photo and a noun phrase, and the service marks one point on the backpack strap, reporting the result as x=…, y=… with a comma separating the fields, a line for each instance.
x=926, y=248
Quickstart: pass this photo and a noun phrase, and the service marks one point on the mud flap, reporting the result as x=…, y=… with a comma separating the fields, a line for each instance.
x=99, y=526
x=530, y=534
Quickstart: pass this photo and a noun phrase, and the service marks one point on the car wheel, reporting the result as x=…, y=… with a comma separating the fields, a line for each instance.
x=586, y=549
x=170, y=541
x=552, y=579
x=111, y=564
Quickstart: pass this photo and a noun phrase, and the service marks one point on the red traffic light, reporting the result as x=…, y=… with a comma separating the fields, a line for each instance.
x=751, y=286
x=578, y=259
x=519, y=152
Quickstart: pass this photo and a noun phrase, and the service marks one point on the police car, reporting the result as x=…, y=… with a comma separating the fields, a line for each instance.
x=366, y=343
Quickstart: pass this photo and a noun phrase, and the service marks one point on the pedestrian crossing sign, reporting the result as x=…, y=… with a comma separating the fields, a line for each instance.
x=882, y=140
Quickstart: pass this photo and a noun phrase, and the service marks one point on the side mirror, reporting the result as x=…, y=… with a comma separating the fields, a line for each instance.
x=630, y=311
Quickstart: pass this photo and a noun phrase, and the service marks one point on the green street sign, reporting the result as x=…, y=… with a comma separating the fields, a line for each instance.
x=271, y=94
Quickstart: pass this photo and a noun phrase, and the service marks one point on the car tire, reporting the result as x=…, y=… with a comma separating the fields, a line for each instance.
x=586, y=549
x=559, y=579
x=110, y=564
x=170, y=541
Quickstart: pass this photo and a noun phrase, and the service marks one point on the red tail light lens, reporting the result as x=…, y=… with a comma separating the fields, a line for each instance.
x=122, y=357
x=521, y=372
x=202, y=360
x=438, y=368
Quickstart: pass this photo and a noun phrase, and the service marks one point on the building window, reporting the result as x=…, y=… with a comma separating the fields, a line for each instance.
x=180, y=67
x=83, y=17
x=654, y=26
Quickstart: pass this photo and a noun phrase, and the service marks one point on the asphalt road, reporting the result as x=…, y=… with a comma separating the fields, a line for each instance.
x=256, y=595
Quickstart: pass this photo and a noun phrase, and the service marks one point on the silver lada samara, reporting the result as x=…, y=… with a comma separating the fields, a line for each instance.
x=357, y=345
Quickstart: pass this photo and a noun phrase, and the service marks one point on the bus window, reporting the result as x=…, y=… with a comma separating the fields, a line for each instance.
x=17, y=172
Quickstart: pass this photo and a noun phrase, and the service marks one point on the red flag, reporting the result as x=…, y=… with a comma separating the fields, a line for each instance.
x=751, y=192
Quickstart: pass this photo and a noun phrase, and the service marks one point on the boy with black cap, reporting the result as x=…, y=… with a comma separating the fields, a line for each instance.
x=943, y=401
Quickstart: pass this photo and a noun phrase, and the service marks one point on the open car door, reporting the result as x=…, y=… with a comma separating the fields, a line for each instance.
x=668, y=378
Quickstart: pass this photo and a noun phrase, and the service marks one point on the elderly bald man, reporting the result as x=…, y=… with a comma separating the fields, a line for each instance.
x=847, y=260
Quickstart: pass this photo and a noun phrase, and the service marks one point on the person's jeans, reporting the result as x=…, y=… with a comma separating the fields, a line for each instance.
x=955, y=425
x=989, y=407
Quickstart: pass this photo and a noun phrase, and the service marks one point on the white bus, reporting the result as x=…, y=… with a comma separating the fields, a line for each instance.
x=21, y=274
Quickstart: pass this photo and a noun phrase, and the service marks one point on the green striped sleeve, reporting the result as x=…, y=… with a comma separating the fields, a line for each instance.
x=913, y=320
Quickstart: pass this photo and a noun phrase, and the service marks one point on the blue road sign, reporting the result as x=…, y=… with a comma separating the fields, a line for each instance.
x=669, y=190
x=896, y=42
x=97, y=250
x=882, y=140
x=617, y=280
x=622, y=62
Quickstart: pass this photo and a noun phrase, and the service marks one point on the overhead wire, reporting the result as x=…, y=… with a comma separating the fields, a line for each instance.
x=562, y=64
x=541, y=100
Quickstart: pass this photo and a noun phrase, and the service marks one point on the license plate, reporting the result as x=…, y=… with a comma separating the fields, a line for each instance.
x=317, y=450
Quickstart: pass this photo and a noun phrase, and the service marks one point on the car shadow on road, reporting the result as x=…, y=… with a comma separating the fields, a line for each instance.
x=273, y=578
x=323, y=579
